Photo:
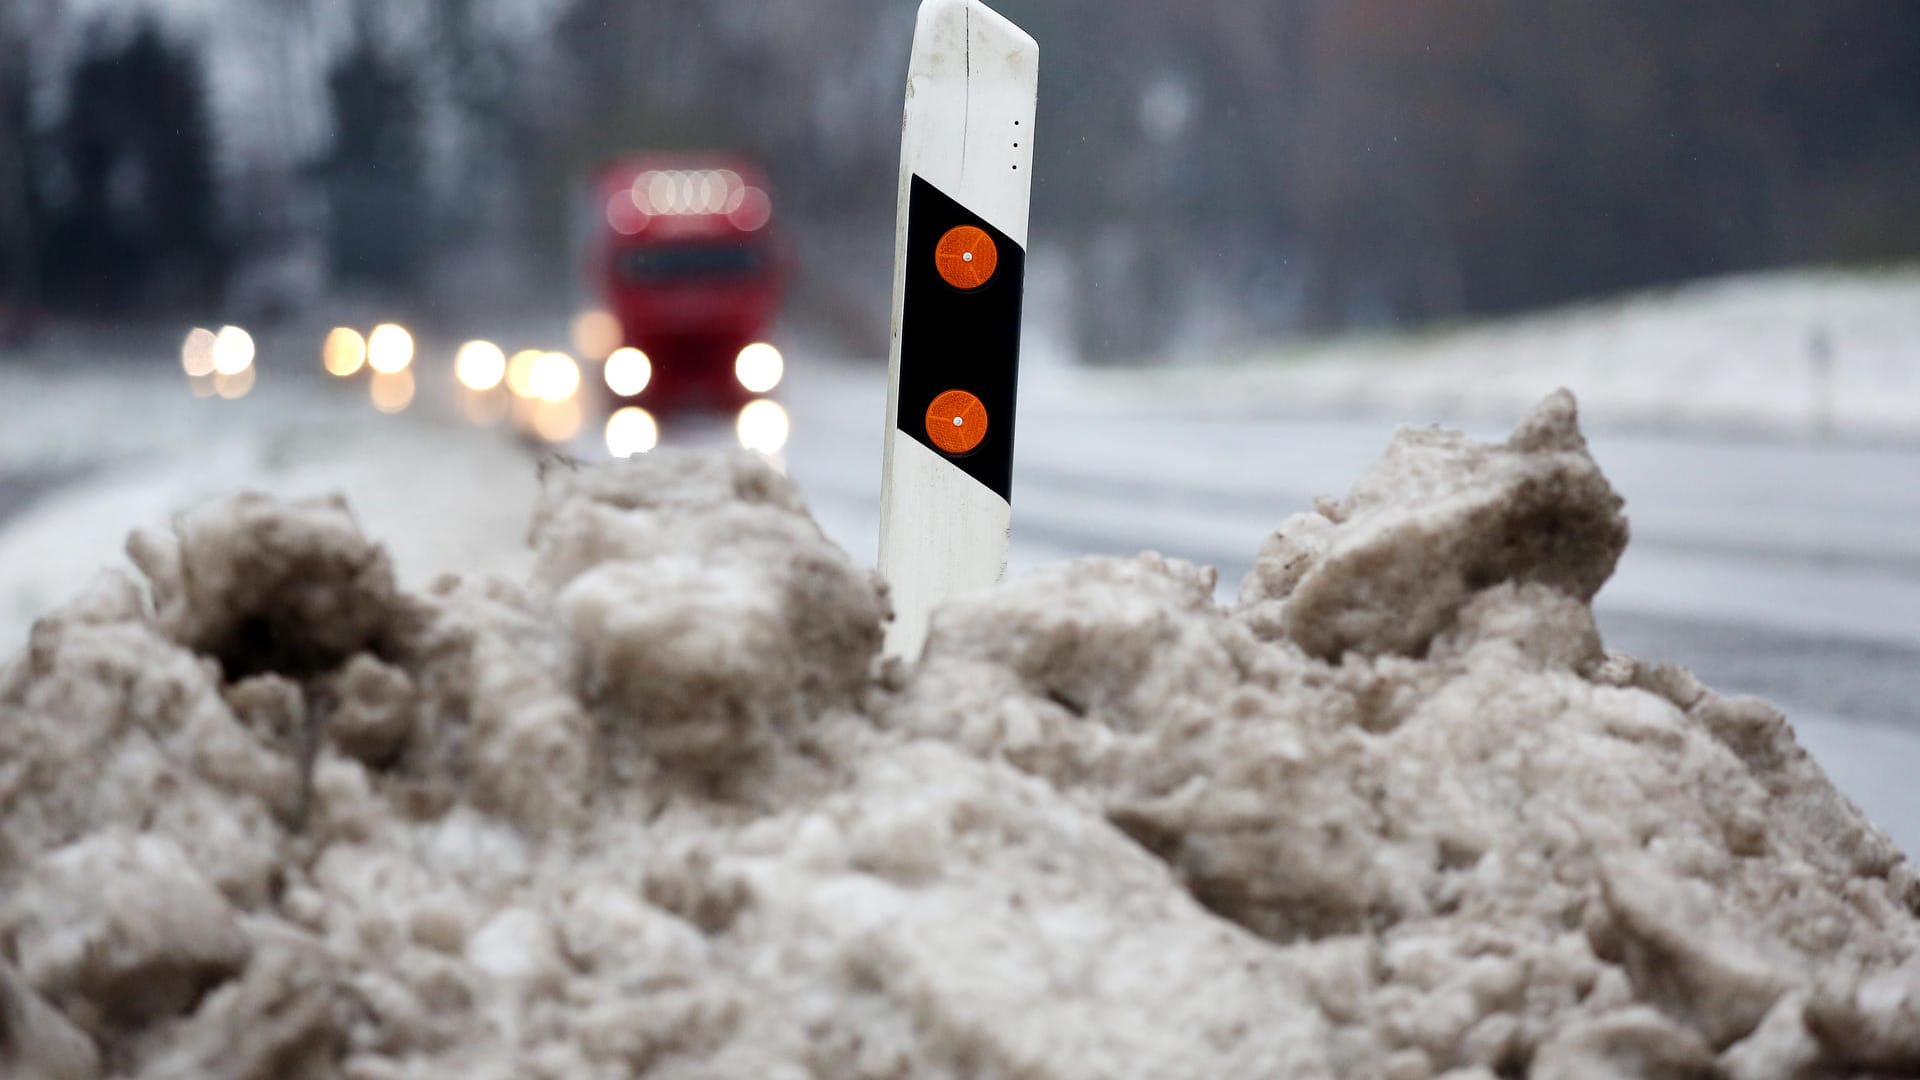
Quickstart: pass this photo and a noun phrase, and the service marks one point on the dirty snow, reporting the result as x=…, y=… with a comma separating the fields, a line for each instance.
x=655, y=806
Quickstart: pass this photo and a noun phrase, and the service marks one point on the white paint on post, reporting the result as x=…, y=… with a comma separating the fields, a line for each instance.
x=972, y=86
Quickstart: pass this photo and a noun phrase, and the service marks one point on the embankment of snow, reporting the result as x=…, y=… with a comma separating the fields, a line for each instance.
x=1821, y=353
x=659, y=808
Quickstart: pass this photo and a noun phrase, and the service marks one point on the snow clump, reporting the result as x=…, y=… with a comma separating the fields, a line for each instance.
x=663, y=810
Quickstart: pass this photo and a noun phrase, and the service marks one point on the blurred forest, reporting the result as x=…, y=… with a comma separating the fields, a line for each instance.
x=1234, y=171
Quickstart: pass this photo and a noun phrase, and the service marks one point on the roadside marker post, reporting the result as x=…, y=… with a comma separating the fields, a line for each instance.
x=966, y=156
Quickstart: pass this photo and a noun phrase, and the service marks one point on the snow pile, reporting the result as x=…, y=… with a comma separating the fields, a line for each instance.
x=661, y=809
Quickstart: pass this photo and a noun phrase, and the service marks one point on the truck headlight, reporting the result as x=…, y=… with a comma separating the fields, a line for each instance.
x=763, y=426
x=628, y=371
x=631, y=431
x=759, y=367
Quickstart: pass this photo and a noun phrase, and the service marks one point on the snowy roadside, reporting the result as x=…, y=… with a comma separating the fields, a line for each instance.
x=441, y=494
x=444, y=496
x=1801, y=353
x=652, y=807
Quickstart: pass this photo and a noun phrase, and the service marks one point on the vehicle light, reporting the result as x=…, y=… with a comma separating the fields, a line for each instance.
x=555, y=377
x=628, y=371
x=344, y=352
x=596, y=334
x=232, y=351
x=520, y=372
x=389, y=349
x=557, y=421
x=956, y=421
x=759, y=367
x=624, y=214
x=631, y=430
x=480, y=365
x=392, y=391
x=686, y=191
x=753, y=212
x=763, y=426
x=196, y=353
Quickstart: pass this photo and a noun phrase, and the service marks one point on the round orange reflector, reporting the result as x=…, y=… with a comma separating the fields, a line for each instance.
x=956, y=421
x=966, y=257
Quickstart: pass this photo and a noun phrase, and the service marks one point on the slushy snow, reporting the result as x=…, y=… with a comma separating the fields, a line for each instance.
x=659, y=808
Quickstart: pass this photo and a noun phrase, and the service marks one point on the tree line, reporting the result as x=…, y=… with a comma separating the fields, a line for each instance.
x=1215, y=168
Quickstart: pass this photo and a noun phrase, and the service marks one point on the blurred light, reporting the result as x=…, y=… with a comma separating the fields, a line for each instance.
x=344, y=352
x=520, y=372
x=683, y=191
x=232, y=351
x=389, y=350
x=628, y=372
x=557, y=421
x=753, y=212
x=203, y=386
x=763, y=426
x=712, y=196
x=486, y=407
x=624, y=215
x=392, y=390
x=196, y=353
x=235, y=386
x=480, y=365
x=596, y=333
x=759, y=367
x=631, y=431
x=661, y=194
x=736, y=191
x=555, y=377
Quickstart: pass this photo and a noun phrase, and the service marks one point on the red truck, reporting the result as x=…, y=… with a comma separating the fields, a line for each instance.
x=689, y=263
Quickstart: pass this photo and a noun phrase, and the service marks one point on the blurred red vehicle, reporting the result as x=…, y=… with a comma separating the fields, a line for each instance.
x=689, y=262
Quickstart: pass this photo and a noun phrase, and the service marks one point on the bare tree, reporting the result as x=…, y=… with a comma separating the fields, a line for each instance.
x=19, y=279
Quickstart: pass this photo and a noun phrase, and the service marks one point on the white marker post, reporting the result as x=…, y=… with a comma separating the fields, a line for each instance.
x=966, y=160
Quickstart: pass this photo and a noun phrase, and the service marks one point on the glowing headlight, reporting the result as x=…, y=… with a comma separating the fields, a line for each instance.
x=520, y=372
x=232, y=351
x=344, y=352
x=763, y=426
x=389, y=349
x=196, y=353
x=631, y=431
x=480, y=365
x=554, y=377
x=759, y=367
x=628, y=371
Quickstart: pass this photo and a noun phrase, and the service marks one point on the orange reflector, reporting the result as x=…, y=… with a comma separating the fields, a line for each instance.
x=966, y=257
x=956, y=421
